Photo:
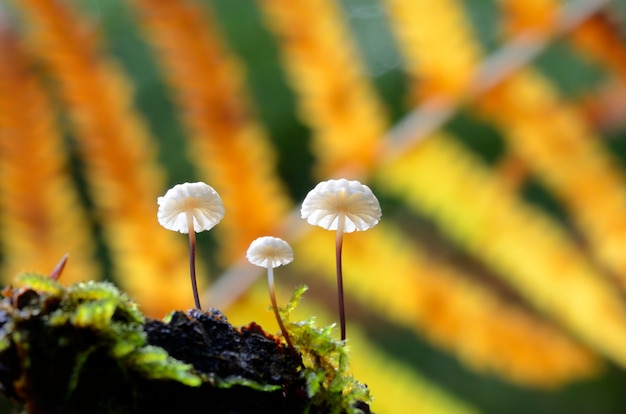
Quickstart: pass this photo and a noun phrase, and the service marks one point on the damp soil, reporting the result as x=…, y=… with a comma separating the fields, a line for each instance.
x=214, y=347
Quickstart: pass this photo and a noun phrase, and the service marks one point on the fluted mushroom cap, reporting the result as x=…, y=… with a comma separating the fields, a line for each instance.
x=196, y=200
x=323, y=205
x=269, y=252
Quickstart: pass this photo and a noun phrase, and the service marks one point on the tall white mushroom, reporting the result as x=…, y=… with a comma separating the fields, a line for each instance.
x=344, y=206
x=190, y=208
x=270, y=252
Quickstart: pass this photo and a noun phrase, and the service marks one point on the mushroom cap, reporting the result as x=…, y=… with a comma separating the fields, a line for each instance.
x=269, y=252
x=323, y=205
x=196, y=200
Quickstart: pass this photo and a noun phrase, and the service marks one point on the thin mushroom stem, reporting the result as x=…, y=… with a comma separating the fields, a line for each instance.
x=338, y=247
x=192, y=261
x=270, y=282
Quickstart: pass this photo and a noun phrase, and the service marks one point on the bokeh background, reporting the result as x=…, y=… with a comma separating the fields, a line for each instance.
x=492, y=131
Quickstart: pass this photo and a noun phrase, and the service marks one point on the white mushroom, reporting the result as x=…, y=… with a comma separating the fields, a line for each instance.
x=344, y=206
x=325, y=205
x=190, y=208
x=270, y=252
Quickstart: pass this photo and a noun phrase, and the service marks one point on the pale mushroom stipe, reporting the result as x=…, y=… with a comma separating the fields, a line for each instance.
x=190, y=208
x=344, y=206
x=270, y=252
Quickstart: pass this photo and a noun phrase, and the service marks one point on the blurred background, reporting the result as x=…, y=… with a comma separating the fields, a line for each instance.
x=492, y=131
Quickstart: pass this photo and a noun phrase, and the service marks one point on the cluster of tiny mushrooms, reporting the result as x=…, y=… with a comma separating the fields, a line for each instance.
x=341, y=205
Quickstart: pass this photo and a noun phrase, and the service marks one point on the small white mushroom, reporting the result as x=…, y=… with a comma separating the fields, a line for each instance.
x=270, y=252
x=190, y=208
x=344, y=206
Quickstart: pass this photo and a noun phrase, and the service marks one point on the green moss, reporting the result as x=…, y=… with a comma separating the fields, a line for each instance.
x=43, y=284
x=326, y=368
x=234, y=380
x=155, y=363
x=107, y=314
x=91, y=333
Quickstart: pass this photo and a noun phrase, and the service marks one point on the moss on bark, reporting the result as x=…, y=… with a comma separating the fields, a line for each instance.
x=87, y=348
